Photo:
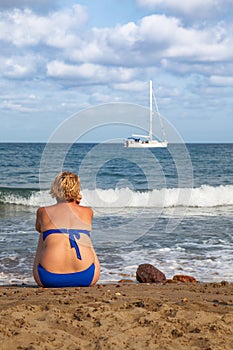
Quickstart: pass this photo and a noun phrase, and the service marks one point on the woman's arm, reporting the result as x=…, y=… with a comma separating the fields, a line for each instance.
x=39, y=214
x=37, y=260
x=97, y=268
x=39, y=247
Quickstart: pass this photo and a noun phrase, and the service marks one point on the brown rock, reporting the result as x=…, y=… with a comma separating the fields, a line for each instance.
x=184, y=279
x=169, y=281
x=126, y=281
x=147, y=273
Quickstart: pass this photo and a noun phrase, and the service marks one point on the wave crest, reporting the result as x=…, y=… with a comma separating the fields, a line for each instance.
x=204, y=196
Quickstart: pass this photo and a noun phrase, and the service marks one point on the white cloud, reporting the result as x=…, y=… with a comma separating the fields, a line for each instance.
x=41, y=5
x=154, y=39
x=167, y=37
x=135, y=85
x=106, y=53
x=18, y=67
x=92, y=73
x=191, y=8
x=17, y=3
x=190, y=60
x=16, y=70
x=221, y=80
x=100, y=98
x=25, y=28
x=9, y=105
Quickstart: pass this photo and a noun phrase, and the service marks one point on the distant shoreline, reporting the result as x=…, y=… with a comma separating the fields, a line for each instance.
x=116, y=143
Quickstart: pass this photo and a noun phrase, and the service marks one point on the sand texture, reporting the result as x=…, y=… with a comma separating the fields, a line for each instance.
x=172, y=316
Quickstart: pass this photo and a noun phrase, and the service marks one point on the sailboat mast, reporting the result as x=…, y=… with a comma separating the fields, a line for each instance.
x=151, y=112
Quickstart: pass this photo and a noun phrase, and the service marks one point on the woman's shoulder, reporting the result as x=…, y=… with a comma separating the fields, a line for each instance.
x=44, y=209
x=40, y=210
x=86, y=210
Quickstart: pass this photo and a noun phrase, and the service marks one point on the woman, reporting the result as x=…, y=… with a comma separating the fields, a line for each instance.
x=65, y=256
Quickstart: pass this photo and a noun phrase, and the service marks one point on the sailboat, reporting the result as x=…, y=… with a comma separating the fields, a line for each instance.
x=147, y=141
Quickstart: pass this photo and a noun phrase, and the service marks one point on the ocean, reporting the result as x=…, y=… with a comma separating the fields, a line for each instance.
x=172, y=208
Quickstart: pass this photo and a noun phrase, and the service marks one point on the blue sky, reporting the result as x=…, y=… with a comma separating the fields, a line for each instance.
x=61, y=57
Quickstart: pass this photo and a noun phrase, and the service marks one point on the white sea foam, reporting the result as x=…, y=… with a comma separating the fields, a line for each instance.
x=204, y=196
x=215, y=266
x=13, y=279
x=35, y=199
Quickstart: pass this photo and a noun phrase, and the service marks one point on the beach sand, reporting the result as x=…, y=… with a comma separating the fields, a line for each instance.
x=172, y=316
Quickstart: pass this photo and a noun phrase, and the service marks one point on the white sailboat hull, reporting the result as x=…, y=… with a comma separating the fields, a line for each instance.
x=145, y=144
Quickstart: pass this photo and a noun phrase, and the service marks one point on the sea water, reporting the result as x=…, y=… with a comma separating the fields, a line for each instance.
x=172, y=208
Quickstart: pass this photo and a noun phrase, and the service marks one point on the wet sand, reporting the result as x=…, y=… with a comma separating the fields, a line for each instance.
x=172, y=316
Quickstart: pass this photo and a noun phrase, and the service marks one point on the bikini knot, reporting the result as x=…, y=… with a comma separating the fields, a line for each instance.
x=72, y=236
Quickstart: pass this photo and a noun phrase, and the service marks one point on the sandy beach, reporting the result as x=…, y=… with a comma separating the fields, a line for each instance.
x=172, y=316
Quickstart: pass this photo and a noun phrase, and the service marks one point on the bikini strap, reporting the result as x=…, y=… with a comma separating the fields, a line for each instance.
x=73, y=235
x=76, y=234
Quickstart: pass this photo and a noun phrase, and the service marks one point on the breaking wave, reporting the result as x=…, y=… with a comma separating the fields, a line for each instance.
x=204, y=196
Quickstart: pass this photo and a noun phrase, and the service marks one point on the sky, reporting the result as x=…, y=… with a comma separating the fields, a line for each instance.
x=59, y=57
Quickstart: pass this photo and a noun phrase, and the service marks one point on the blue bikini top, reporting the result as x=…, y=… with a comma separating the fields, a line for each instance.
x=73, y=233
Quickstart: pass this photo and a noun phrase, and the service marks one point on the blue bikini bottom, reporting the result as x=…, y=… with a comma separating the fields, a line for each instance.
x=59, y=280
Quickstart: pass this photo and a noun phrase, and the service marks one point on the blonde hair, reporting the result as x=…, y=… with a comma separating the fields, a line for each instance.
x=66, y=187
